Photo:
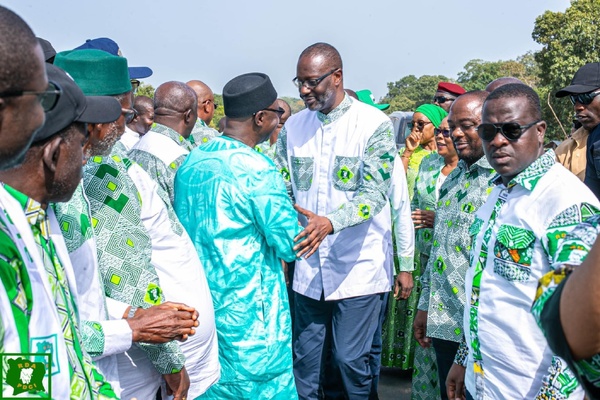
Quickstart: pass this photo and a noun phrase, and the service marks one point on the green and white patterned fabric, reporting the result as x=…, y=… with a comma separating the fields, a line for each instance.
x=160, y=152
x=339, y=165
x=202, y=133
x=571, y=252
x=267, y=149
x=414, y=163
x=124, y=248
x=232, y=202
x=516, y=235
x=443, y=281
x=86, y=381
x=102, y=338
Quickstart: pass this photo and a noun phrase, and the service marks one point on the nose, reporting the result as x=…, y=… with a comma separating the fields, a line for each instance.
x=303, y=90
x=499, y=140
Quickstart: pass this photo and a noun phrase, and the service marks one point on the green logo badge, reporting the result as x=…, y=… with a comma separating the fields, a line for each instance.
x=364, y=211
x=28, y=379
x=345, y=174
x=285, y=173
x=153, y=293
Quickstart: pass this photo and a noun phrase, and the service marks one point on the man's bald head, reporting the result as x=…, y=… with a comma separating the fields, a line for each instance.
x=505, y=80
x=175, y=106
x=144, y=107
x=206, y=100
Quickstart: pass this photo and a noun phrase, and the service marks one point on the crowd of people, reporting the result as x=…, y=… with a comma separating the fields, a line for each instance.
x=145, y=255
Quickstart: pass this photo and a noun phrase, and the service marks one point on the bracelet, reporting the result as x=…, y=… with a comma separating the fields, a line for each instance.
x=132, y=311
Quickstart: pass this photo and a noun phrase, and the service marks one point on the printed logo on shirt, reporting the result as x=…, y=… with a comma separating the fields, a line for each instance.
x=25, y=376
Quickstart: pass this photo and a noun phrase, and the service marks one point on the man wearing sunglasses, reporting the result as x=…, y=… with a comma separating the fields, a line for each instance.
x=337, y=158
x=534, y=203
x=164, y=148
x=583, y=93
x=446, y=93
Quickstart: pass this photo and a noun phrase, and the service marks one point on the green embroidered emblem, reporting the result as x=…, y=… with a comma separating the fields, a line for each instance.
x=364, y=211
x=153, y=294
x=345, y=174
x=25, y=376
x=285, y=173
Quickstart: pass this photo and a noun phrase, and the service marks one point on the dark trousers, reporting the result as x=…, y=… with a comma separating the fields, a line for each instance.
x=445, y=351
x=375, y=357
x=349, y=326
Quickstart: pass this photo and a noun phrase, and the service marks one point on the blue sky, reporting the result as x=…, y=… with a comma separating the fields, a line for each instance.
x=380, y=41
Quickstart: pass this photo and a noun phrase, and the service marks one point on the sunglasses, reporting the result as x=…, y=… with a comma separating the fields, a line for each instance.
x=420, y=125
x=279, y=111
x=444, y=132
x=48, y=98
x=510, y=130
x=442, y=99
x=311, y=83
x=583, y=98
x=129, y=114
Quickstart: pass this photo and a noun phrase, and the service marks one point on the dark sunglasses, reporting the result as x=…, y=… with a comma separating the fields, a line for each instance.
x=311, y=83
x=583, y=98
x=48, y=98
x=129, y=114
x=420, y=125
x=279, y=111
x=510, y=130
x=444, y=132
x=442, y=99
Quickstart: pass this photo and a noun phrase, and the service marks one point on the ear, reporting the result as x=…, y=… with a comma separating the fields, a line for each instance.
x=259, y=118
x=337, y=77
x=541, y=131
x=187, y=116
x=51, y=153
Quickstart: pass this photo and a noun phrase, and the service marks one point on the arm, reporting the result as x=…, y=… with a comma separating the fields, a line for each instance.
x=402, y=225
x=281, y=161
x=372, y=193
x=274, y=214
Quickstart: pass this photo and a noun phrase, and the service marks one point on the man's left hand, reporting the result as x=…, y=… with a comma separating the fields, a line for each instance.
x=178, y=384
x=317, y=229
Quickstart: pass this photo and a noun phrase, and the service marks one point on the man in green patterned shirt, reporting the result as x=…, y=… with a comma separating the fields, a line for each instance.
x=441, y=305
x=124, y=247
x=202, y=131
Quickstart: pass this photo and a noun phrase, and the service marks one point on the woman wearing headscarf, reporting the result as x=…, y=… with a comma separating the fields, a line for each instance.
x=433, y=171
x=398, y=342
x=421, y=140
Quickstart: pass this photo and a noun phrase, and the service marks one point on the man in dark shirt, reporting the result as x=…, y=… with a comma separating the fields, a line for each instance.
x=584, y=91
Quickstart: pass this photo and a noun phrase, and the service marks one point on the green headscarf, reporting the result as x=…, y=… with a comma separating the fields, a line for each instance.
x=435, y=113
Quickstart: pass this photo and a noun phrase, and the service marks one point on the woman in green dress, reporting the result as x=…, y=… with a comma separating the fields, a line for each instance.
x=398, y=342
x=432, y=173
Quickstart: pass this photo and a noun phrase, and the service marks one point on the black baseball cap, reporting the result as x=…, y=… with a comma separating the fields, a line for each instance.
x=74, y=106
x=586, y=79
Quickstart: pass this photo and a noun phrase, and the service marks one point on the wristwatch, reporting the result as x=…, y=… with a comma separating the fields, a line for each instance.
x=132, y=311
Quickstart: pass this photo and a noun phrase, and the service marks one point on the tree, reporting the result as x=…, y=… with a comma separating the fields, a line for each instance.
x=410, y=92
x=570, y=40
x=295, y=103
x=145, y=89
x=219, y=112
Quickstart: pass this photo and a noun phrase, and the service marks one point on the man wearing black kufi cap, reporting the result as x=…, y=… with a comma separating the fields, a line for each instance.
x=232, y=201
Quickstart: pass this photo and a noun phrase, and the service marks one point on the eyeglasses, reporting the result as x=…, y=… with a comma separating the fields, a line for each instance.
x=215, y=105
x=420, y=125
x=444, y=132
x=311, y=83
x=280, y=111
x=48, y=98
x=583, y=98
x=510, y=130
x=442, y=99
x=129, y=114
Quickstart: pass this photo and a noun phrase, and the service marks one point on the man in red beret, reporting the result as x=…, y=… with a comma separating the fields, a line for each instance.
x=446, y=93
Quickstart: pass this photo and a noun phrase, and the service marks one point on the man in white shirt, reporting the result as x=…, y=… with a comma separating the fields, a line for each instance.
x=534, y=203
x=337, y=158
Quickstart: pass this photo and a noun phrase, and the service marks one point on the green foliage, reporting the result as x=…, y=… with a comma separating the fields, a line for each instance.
x=410, y=92
x=145, y=89
x=219, y=112
x=570, y=40
x=295, y=103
